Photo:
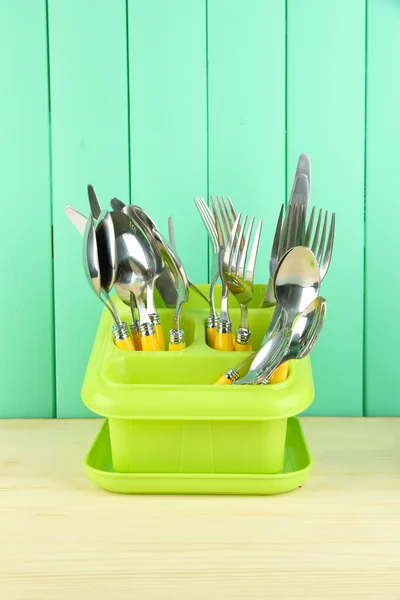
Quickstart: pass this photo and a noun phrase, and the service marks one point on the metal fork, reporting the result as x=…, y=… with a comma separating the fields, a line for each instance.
x=320, y=246
x=239, y=278
x=208, y=219
x=223, y=225
x=299, y=196
x=229, y=215
x=291, y=234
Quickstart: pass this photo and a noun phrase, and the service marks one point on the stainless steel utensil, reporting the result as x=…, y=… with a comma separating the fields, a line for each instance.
x=164, y=282
x=289, y=237
x=146, y=223
x=305, y=333
x=166, y=286
x=136, y=268
x=170, y=258
x=296, y=282
x=223, y=337
x=282, y=241
x=301, y=192
x=302, y=339
x=321, y=246
x=107, y=250
x=208, y=220
x=304, y=168
x=135, y=325
x=94, y=203
x=77, y=219
x=91, y=266
x=269, y=356
x=239, y=282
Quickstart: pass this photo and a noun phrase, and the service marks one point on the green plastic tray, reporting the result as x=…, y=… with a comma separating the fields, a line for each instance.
x=167, y=416
x=297, y=464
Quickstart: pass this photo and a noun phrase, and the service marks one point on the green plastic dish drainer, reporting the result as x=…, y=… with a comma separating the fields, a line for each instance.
x=169, y=429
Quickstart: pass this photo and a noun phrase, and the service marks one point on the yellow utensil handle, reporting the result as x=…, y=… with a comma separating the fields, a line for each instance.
x=224, y=381
x=150, y=343
x=211, y=333
x=173, y=347
x=280, y=374
x=224, y=342
x=243, y=347
x=137, y=340
x=160, y=337
x=126, y=344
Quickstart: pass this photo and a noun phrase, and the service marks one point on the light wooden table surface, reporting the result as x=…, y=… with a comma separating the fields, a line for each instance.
x=338, y=536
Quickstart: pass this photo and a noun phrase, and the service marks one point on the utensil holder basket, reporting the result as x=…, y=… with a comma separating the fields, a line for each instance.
x=166, y=419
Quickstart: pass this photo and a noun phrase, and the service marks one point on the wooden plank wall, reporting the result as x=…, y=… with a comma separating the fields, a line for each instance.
x=26, y=299
x=325, y=118
x=382, y=291
x=160, y=102
x=90, y=144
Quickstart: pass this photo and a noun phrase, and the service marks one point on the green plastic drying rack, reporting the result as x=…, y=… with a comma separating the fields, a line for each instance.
x=170, y=430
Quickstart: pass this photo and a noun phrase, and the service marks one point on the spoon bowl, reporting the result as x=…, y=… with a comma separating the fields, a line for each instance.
x=296, y=282
x=107, y=250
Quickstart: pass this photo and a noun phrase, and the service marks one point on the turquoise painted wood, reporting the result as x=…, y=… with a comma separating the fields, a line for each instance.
x=26, y=303
x=168, y=118
x=159, y=102
x=325, y=118
x=246, y=99
x=90, y=144
x=382, y=396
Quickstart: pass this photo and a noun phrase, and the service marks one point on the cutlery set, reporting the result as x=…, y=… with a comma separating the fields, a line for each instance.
x=124, y=250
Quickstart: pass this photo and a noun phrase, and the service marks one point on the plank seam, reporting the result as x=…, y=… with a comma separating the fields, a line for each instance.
x=286, y=103
x=208, y=142
x=128, y=88
x=53, y=332
x=364, y=370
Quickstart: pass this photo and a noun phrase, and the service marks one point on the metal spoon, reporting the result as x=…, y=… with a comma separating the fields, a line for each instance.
x=91, y=266
x=305, y=333
x=107, y=251
x=79, y=221
x=164, y=282
x=269, y=356
x=144, y=221
x=136, y=266
x=169, y=257
x=300, y=341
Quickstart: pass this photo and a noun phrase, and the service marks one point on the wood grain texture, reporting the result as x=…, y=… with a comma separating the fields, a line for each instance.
x=336, y=537
x=90, y=144
x=246, y=95
x=26, y=301
x=168, y=120
x=325, y=118
x=382, y=213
